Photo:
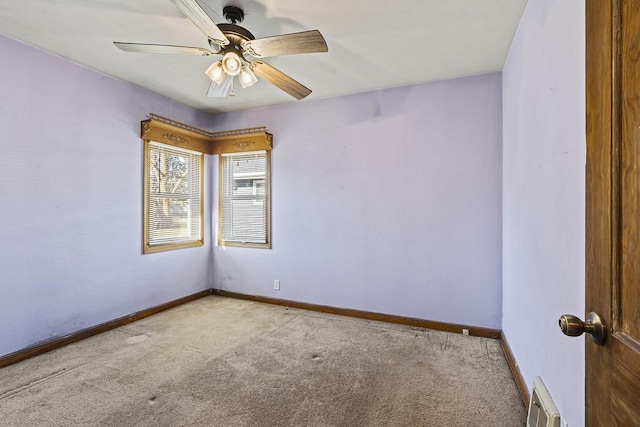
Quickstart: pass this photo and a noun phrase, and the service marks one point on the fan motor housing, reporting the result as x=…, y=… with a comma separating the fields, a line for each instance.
x=236, y=31
x=235, y=34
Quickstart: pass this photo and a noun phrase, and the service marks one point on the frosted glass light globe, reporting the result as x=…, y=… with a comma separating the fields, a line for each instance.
x=231, y=63
x=247, y=78
x=215, y=72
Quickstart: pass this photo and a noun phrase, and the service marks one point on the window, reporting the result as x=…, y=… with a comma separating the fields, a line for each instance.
x=244, y=199
x=173, y=202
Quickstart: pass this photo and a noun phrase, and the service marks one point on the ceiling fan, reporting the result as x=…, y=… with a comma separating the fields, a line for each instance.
x=237, y=45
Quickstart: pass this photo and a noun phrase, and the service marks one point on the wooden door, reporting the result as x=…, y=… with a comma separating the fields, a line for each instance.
x=613, y=210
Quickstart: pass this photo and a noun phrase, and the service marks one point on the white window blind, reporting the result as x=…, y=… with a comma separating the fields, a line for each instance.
x=174, y=195
x=243, y=197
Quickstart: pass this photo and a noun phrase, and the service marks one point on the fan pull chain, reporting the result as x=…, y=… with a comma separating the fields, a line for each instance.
x=231, y=92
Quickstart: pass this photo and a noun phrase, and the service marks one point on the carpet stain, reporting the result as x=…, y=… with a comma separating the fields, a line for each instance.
x=136, y=339
x=445, y=346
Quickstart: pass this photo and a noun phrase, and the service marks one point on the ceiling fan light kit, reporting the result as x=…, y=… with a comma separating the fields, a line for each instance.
x=237, y=45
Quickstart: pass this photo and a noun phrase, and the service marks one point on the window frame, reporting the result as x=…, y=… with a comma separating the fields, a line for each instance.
x=221, y=241
x=148, y=248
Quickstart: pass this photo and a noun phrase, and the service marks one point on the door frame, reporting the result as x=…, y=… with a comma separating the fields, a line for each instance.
x=603, y=127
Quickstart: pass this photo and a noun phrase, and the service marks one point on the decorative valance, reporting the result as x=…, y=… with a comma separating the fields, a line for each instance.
x=240, y=140
x=167, y=131
x=171, y=132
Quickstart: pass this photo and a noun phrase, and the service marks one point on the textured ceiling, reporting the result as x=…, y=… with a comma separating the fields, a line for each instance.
x=373, y=44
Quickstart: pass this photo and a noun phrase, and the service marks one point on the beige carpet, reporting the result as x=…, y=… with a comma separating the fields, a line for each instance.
x=227, y=362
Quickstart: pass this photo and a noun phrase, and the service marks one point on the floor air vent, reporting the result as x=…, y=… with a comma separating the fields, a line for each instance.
x=542, y=410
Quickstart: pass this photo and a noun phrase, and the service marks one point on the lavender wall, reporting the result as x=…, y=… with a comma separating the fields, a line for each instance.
x=71, y=210
x=388, y=201
x=544, y=195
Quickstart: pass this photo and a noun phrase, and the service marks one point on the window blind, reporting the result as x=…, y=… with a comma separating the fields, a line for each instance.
x=174, y=195
x=244, y=204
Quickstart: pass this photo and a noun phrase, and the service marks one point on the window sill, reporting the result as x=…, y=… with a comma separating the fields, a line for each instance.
x=171, y=246
x=245, y=245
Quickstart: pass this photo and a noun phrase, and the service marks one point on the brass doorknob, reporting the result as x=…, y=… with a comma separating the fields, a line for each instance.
x=594, y=325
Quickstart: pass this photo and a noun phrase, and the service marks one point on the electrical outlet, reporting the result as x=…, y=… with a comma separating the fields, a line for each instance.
x=465, y=332
x=276, y=285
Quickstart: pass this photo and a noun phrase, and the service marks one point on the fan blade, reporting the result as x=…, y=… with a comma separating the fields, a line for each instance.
x=220, y=90
x=286, y=44
x=192, y=10
x=279, y=79
x=161, y=48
